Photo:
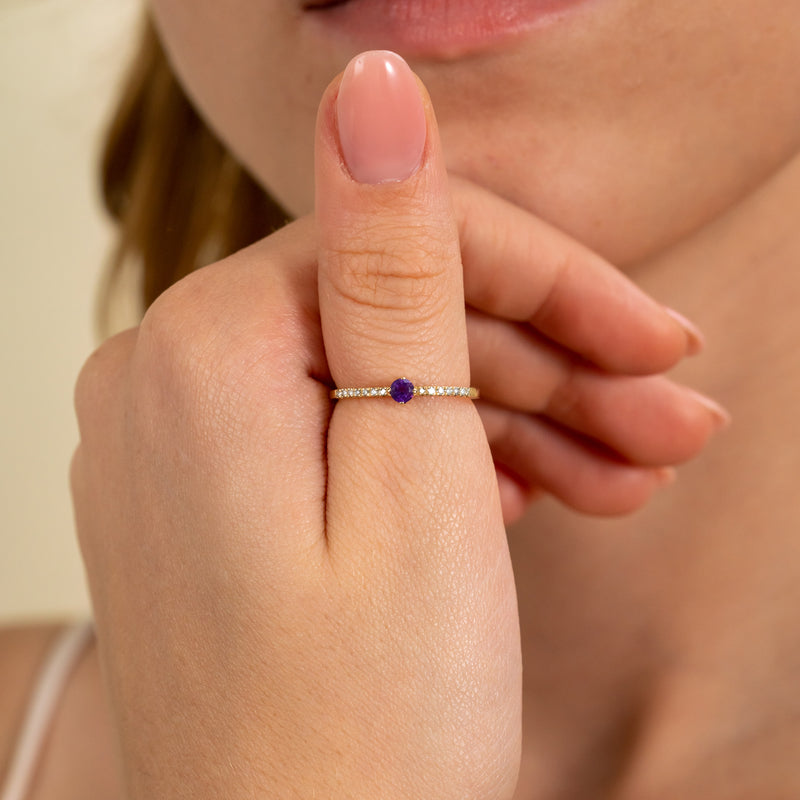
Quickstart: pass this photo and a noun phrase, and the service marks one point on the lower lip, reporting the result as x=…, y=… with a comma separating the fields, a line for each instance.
x=437, y=28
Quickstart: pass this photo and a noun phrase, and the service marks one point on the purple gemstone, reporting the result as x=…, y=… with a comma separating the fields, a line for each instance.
x=402, y=390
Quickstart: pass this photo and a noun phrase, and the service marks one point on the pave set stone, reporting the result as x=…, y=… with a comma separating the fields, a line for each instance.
x=450, y=391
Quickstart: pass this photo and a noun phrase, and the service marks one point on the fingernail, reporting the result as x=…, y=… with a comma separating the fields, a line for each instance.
x=381, y=119
x=666, y=475
x=720, y=415
x=694, y=336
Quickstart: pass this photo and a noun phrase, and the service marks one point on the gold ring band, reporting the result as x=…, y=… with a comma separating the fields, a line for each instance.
x=402, y=390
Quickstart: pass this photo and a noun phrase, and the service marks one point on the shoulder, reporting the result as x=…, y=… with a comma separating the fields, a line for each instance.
x=77, y=759
x=23, y=650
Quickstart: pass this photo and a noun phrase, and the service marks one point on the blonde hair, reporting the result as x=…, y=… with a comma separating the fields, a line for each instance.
x=179, y=197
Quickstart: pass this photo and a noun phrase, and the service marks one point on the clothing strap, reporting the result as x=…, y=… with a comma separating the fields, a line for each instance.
x=50, y=684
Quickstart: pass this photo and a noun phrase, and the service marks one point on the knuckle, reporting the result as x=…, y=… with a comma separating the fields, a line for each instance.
x=197, y=366
x=100, y=375
x=181, y=353
x=404, y=272
x=169, y=361
x=209, y=343
x=170, y=323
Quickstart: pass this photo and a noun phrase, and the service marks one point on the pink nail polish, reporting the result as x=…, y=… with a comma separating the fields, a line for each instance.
x=381, y=119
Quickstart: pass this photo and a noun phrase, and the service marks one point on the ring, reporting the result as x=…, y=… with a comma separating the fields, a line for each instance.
x=402, y=390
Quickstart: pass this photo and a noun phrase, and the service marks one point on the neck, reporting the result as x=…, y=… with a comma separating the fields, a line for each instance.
x=617, y=613
x=739, y=279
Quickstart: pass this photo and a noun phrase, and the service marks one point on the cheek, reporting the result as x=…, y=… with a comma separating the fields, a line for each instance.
x=238, y=63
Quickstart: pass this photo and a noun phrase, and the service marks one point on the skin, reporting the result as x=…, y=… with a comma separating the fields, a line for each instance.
x=669, y=121
x=659, y=649
x=277, y=643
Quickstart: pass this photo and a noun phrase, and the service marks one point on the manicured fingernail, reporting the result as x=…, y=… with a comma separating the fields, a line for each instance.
x=720, y=415
x=694, y=336
x=381, y=119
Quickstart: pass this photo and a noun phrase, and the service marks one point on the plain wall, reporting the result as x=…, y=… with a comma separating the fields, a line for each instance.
x=60, y=62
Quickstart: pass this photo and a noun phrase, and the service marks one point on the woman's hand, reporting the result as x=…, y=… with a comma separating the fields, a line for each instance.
x=300, y=598
x=568, y=354
x=296, y=598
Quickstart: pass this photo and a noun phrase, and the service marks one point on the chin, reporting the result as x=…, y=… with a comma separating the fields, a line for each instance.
x=627, y=214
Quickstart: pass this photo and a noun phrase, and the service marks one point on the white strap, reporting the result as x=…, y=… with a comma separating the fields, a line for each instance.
x=53, y=676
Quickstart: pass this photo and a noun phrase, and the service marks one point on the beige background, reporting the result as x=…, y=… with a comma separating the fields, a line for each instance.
x=59, y=63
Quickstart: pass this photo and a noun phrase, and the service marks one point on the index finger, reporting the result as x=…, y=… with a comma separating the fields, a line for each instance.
x=518, y=267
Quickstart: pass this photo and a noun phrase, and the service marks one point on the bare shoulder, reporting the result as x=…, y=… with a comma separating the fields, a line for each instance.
x=22, y=651
x=77, y=758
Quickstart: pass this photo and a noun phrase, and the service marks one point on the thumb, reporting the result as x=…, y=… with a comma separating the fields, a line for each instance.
x=390, y=267
x=392, y=303
x=414, y=530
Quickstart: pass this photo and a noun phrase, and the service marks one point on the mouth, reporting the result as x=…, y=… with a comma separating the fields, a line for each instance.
x=437, y=29
x=315, y=5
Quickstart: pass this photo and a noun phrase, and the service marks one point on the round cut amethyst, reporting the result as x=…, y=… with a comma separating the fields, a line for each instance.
x=402, y=390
